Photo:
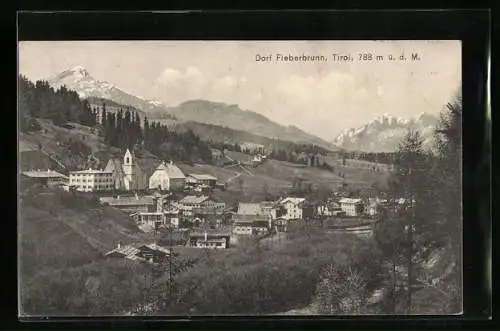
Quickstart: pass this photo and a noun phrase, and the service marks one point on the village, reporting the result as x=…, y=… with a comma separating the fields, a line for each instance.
x=184, y=206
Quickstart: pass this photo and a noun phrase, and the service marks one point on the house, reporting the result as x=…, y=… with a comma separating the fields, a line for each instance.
x=294, y=208
x=351, y=207
x=172, y=214
x=49, y=178
x=375, y=205
x=249, y=147
x=191, y=202
x=268, y=208
x=264, y=208
x=127, y=173
x=252, y=218
x=209, y=240
x=91, y=180
x=151, y=253
x=202, y=179
x=251, y=225
x=130, y=204
x=217, y=156
x=329, y=208
x=166, y=177
x=149, y=221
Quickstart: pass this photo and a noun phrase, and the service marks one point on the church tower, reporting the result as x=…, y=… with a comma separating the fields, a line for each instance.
x=130, y=171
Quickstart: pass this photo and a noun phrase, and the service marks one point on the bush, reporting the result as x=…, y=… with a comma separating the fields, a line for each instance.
x=255, y=279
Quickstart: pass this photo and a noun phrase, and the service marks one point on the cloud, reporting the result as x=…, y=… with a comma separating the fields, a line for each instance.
x=228, y=84
x=173, y=86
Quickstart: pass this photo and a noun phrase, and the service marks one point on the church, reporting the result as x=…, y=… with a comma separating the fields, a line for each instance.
x=127, y=173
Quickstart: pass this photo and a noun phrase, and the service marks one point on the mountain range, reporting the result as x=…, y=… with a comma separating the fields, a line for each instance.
x=202, y=111
x=384, y=133
x=80, y=80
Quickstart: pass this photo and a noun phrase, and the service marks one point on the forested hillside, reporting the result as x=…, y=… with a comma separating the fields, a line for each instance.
x=122, y=129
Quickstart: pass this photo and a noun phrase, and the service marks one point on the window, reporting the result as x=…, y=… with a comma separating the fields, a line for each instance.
x=127, y=161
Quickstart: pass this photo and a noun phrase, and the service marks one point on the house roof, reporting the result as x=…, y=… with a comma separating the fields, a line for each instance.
x=203, y=177
x=171, y=170
x=249, y=209
x=213, y=234
x=251, y=218
x=193, y=199
x=350, y=200
x=129, y=251
x=266, y=204
x=216, y=151
x=127, y=201
x=295, y=201
x=44, y=174
x=90, y=171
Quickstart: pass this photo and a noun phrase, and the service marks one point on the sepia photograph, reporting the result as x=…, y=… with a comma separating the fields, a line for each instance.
x=239, y=178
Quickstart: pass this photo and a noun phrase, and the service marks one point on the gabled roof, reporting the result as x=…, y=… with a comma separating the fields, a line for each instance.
x=44, y=174
x=295, y=201
x=171, y=170
x=251, y=218
x=249, y=209
x=123, y=201
x=193, y=199
x=203, y=177
x=90, y=171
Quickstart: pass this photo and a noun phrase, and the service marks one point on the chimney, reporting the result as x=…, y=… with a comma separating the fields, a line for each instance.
x=205, y=236
x=136, y=196
x=119, y=245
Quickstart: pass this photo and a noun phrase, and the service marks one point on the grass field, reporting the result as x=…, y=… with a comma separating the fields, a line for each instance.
x=51, y=137
x=58, y=230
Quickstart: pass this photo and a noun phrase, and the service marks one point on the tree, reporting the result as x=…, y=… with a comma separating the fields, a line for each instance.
x=341, y=290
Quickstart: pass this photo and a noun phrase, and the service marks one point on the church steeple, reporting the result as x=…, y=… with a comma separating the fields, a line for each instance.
x=128, y=159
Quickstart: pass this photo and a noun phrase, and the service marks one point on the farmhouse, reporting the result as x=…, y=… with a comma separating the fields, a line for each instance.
x=127, y=174
x=151, y=253
x=294, y=208
x=91, y=180
x=49, y=178
x=202, y=179
x=351, y=207
x=166, y=177
x=209, y=240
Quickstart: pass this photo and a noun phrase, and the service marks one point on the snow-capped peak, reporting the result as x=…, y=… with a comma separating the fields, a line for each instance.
x=78, y=79
x=80, y=70
x=384, y=132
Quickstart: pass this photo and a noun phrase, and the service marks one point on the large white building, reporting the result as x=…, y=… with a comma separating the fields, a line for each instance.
x=351, y=207
x=166, y=177
x=91, y=180
x=127, y=174
x=294, y=208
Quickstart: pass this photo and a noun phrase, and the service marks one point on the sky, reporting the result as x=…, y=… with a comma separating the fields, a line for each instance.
x=322, y=98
